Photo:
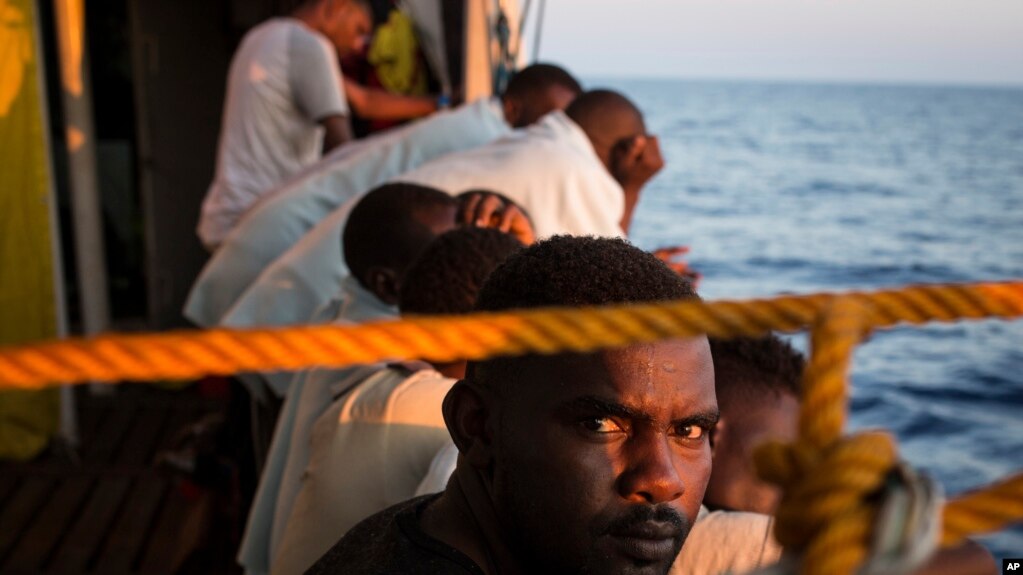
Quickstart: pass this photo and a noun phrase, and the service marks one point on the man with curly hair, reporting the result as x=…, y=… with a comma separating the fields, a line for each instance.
x=758, y=387
x=568, y=463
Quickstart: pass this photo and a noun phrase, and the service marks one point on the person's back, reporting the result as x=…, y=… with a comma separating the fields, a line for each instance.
x=576, y=172
x=548, y=168
x=270, y=129
x=285, y=104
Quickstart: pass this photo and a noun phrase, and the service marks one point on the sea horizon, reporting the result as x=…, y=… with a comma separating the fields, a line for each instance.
x=590, y=80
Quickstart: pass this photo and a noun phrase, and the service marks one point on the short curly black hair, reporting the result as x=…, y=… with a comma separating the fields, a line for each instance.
x=581, y=271
x=573, y=271
x=447, y=276
x=749, y=367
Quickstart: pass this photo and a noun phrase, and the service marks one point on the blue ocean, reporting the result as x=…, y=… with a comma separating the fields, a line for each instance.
x=797, y=188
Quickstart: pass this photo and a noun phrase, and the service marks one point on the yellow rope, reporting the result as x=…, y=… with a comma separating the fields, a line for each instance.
x=830, y=483
x=827, y=511
x=983, y=511
x=193, y=354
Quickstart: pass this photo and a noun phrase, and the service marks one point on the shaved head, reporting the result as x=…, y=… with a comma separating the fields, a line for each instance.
x=609, y=120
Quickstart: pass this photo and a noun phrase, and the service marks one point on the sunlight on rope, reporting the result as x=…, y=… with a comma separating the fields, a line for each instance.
x=829, y=481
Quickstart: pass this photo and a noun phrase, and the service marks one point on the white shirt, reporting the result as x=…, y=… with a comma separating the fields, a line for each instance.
x=272, y=229
x=368, y=451
x=283, y=80
x=550, y=169
x=307, y=398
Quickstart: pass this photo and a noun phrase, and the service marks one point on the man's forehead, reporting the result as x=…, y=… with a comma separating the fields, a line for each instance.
x=655, y=368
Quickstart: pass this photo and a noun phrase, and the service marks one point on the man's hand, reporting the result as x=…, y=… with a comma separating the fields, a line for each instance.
x=636, y=161
x=672, y=257
x=492, y=210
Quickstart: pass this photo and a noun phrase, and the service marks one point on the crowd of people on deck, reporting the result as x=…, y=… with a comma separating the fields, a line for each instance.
x=626, y=460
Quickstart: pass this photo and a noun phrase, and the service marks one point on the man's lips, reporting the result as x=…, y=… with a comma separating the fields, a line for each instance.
x=650, y=540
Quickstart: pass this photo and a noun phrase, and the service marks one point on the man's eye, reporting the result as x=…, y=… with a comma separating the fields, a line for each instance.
x=601, y=425
x=691, y=432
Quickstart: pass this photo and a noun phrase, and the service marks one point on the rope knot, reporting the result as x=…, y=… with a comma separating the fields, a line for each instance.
x=830, y=499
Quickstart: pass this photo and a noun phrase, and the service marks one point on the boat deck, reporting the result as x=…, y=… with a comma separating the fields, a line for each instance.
x=106, y=508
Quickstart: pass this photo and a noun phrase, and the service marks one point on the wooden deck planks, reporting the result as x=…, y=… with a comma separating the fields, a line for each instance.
x=112, y=512
x=139, y=446
x=22, y=508
x=112, y=432
x=181, y=528
x=129, y=534
x=91, y=527
x=8, y=482
x=42, y=536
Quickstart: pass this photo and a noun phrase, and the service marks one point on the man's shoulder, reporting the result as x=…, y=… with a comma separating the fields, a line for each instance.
x=392, y=542
x=728, y=541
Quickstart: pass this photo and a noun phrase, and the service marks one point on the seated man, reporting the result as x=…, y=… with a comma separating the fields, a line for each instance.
x=758, y=389
x=387, y=230
x=578, y=172
x=294, y=207
x=758, y=383
x=570, y=463
x=373, y=445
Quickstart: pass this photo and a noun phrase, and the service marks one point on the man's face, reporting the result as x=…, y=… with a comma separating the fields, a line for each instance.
x=526, y=111
x=348, y=25
x=745, y=424
x=601, y=460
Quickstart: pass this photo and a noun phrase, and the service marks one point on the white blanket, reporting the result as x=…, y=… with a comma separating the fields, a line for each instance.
x=309, y=394
x=275, y=224
x=550, y=169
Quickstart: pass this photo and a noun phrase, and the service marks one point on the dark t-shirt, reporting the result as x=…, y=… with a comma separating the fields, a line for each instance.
x=392, y=542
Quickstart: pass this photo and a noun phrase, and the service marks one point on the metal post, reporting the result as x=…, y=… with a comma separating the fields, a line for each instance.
x=68, y=415
x=81, y=144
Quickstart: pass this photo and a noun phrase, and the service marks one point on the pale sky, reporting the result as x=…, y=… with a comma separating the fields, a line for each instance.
x=943, y=41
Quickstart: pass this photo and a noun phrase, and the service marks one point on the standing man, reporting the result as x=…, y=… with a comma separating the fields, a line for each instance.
x=286, y=104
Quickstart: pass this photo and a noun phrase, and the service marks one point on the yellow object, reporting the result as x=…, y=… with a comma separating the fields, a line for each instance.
x=395, y=56
x=27, y=310
x=828, y=510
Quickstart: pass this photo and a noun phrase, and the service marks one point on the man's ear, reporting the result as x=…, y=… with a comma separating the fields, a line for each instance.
x=466, y=414
x=383, y=282
x=512, y=111
x=716, y=433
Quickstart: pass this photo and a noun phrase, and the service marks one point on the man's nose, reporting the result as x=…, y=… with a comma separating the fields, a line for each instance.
x=652, y=475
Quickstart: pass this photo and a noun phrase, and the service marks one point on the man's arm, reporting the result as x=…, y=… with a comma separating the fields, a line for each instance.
x=967, y=558
x=338, y=131
x=375, y=104
x=633, y=166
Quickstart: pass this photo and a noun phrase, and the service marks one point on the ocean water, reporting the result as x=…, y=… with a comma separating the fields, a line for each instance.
x=788, y=188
